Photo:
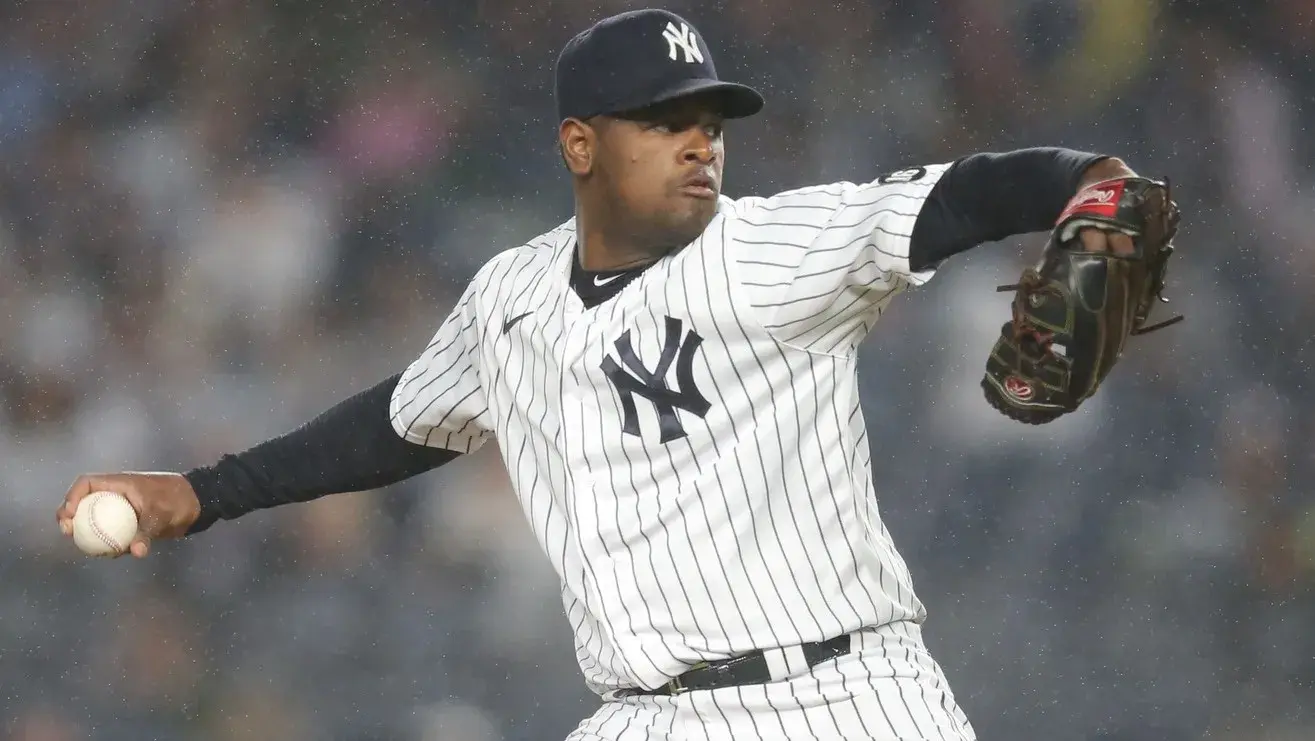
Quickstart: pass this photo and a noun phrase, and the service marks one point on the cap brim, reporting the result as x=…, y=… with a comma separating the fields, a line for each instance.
x=733, y=99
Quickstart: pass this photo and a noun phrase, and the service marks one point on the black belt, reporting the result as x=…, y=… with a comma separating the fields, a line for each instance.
x=751, y=668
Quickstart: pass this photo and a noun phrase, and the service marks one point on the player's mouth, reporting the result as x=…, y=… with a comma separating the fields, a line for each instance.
x=699, y=185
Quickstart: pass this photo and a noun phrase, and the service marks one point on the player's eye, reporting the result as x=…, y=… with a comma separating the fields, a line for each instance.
x=681, y=125
x=673, y=125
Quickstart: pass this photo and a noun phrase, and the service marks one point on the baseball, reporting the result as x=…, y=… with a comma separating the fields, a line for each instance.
x=104, y=524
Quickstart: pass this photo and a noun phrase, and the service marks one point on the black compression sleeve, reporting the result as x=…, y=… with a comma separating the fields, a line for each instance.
x=350, y=447
x=990, y=196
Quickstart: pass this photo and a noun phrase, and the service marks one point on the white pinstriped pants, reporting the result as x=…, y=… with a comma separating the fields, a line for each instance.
x=887, y=689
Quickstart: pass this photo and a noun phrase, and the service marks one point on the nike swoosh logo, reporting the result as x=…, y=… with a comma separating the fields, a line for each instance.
x=507, y=325
x=601, y=281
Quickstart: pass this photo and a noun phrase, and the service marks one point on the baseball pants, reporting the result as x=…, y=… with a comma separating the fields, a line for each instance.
x=888, y=688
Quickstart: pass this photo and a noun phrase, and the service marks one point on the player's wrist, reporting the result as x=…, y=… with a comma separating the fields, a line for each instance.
x=1110, y=168
x=189, y=506
x=204, y=483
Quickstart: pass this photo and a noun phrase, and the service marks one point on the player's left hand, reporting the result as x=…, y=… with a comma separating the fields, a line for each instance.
x=1101, y=273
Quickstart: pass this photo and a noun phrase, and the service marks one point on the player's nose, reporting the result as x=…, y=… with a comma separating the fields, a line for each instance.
x=700, y=156
x=699, y=150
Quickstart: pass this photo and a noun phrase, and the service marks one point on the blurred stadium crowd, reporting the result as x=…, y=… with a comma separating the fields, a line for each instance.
x=218, y=217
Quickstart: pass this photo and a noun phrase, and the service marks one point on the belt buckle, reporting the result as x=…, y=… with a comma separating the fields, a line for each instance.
x=676, y=687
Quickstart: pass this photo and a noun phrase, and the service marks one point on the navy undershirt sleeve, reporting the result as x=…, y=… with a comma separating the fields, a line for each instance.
x=350, y=447
x=993, y=195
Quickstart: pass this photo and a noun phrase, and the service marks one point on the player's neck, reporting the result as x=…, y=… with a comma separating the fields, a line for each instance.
x=602, y=248
x=594, y=256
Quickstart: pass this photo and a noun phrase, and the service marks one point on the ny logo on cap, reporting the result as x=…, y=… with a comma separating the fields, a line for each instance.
x=683, y=38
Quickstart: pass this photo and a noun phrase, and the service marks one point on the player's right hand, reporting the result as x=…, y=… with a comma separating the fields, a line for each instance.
x=166, y=504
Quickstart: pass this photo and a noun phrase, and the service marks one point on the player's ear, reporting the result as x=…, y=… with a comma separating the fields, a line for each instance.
x=578, y=142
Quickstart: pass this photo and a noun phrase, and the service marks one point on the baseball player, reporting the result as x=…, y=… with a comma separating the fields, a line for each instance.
x=670, y=379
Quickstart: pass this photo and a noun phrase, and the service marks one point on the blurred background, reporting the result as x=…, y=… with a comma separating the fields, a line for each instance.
x=219, y=217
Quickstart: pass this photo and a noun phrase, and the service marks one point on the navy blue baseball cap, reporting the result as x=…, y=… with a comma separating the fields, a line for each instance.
x=639, y=58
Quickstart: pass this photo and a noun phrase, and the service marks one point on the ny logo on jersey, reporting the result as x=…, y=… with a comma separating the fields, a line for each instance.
x=679, y=346
x=683, y=38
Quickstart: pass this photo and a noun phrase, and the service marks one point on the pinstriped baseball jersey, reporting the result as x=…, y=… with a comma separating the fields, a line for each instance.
x=691, y=453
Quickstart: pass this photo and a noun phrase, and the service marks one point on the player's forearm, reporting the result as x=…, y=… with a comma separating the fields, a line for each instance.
x=990, y=196
x=350, y=447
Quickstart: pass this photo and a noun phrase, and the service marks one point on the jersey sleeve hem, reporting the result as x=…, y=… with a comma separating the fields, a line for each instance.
x=900, y=251
x=456, y=442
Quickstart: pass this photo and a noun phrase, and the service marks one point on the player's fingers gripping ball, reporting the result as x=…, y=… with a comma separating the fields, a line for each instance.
x=104, y=524
x=1074, y=311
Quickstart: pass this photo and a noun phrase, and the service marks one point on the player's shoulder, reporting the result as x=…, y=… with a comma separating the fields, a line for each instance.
x=522, y=262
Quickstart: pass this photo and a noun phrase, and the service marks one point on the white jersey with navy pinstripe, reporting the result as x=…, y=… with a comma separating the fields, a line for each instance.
x=691, y=453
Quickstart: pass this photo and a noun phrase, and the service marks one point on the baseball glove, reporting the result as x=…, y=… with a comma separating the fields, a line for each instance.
x=1074, y=311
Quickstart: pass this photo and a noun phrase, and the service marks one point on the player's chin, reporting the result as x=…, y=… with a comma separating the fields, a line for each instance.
x=693, y=214
x=689, y=225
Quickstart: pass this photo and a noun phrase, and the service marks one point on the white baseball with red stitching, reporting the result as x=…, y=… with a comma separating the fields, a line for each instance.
x=104, y=524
